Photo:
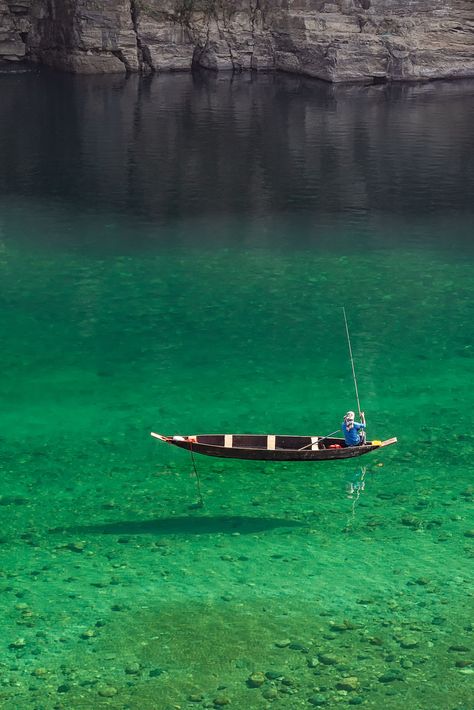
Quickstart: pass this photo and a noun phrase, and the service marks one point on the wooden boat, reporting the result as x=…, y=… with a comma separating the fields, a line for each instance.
x=272, y=447
x=275, y=447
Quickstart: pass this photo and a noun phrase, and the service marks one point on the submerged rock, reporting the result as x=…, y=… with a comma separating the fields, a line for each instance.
x=19, y=643
x=409, y=642
x=88, y=634
x=283, y=643
x=78, y=546
x=464, y=663
x=39, y=672
x=391, y=676
x=255, y=680
x=270, y=694
x=350, y=683
x=297, y=646
x=133, y=668
x=411, y=521
x=274, y=675
x=328, y=660
x=107, y=691
x=156, y=672
x=195, y=697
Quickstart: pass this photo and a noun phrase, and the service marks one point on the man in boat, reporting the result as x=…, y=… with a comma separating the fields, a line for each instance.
x=354, y=432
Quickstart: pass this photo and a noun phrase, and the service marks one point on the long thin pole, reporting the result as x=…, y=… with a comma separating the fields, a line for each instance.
x=320, y=438
x=352, y=361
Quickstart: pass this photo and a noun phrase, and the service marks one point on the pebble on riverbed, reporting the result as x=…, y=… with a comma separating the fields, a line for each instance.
x=195, y=697
x=408, y=642
x=256, y=679
x=270, y=694
x=328, y=659
x=107, y=691
x=39, y=672
x=133, y=668
x=283, y=643
x=411, y=521
x=78, y=546
x=350, y=683
x=88, y=634
x=391, y=676
x=19, y=643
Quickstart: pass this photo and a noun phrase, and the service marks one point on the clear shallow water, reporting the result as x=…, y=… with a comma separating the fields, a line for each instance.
x=174, y=255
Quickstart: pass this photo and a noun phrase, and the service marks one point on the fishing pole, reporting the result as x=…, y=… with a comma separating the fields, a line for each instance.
x=355, y=383
x=352, y=362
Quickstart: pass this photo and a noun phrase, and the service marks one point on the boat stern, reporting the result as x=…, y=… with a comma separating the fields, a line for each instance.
x=387, y=442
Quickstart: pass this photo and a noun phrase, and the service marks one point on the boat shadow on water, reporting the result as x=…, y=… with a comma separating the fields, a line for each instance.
x=245, y=525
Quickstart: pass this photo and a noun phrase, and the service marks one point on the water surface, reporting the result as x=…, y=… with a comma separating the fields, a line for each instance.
x=174, y=256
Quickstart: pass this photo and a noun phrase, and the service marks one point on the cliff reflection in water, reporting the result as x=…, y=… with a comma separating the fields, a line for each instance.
x=177, y=146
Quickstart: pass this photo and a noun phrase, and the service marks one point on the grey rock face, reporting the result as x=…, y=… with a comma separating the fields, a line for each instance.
x=339, y=40
x=347, y=40
x=14, y=28
x=84, y=36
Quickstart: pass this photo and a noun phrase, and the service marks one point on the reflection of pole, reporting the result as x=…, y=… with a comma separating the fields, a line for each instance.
x=352, y=361
x=354, y=490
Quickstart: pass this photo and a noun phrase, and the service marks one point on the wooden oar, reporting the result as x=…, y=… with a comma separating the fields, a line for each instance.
x=320, y=438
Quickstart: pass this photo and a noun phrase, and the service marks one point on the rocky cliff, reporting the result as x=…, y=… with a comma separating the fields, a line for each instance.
x=15, y=23
x=340, y=40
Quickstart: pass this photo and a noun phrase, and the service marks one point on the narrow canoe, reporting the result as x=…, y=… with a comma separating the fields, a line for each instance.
x=272, y=447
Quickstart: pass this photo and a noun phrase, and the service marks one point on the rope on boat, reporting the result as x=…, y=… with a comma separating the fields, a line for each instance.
x=198, y=480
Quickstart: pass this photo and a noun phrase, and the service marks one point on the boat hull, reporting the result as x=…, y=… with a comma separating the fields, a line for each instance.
x=276, y=455
x=272, y=448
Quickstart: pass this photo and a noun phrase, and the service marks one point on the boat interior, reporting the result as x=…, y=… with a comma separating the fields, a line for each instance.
x=270, y=441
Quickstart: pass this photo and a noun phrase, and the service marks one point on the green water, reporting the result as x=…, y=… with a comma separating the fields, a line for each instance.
x=135, y=298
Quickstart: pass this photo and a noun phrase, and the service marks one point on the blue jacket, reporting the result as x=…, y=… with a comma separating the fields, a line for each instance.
x=352, y=436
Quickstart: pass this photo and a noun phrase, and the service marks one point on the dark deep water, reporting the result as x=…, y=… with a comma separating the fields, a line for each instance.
x=174, y=255
x=159, y=153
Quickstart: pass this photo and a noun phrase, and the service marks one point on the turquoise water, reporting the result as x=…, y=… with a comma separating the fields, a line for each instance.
x=174, y=257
